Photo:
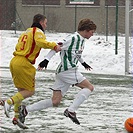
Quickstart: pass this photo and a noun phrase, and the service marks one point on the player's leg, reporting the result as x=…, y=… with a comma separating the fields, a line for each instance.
x=23, y=74
x=17, y=107
x=16, y=114
x=87, y=87
x=16, y=110
x=58, y=93
x=82, y=95
x=68, y=78
x=43, y=104
x=59, y=89
x=79, y=99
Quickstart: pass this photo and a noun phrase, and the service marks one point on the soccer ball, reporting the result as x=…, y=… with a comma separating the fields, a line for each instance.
x=129, y=125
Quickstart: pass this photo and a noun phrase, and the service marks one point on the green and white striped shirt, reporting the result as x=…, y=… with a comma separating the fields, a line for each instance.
x=71, y=52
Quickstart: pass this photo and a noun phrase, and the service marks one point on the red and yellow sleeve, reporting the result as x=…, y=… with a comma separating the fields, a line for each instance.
x=41, y=41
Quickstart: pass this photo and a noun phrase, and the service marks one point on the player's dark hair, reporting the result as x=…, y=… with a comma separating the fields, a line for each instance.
x=38, y=17
x=36, y=21
x=86, y=24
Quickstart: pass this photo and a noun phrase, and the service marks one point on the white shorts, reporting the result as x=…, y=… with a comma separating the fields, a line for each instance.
x=65, y=79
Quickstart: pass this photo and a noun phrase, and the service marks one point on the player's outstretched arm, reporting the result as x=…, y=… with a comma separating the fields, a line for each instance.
x=44, y=63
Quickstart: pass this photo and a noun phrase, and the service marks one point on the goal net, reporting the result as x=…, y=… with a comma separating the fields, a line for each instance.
x=129, y=36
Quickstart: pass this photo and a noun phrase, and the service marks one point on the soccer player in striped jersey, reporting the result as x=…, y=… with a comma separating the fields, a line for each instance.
x=21, y=65
x=67, y=73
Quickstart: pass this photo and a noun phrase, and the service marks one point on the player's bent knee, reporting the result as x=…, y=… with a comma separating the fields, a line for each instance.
x=91, y=88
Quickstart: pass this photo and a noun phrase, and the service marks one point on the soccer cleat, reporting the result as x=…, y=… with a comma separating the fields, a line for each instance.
x=22, y=113
x=7, y=108
x=2, y=102
x=72, y=116
x=17, y=122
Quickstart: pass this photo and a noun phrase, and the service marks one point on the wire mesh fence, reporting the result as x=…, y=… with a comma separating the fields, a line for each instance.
x=63, y=16
x=7, y=13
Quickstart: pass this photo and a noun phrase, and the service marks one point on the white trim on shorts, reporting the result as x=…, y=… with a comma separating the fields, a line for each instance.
x=67, y=78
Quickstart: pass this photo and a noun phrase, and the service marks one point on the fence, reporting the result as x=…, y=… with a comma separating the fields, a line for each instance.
x=63, y=17
x=7, y=13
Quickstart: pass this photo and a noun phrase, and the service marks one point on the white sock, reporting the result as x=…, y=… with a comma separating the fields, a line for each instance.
x=43, y=104
x=80, y=98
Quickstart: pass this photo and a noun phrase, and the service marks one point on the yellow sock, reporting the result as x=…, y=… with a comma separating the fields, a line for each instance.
x=16, y=106
x=9, y=101
x=17, y=98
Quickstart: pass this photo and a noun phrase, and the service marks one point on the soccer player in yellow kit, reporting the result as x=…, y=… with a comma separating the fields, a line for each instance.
x=21, y=66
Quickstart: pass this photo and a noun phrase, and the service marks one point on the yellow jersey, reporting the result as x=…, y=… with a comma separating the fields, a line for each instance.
x=30, y=43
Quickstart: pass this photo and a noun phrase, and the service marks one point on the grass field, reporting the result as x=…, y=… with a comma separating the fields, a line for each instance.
x=104, y=112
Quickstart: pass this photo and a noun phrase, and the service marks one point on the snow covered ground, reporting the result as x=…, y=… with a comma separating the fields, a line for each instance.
x=107, y=107
x=105, y=111
x=98, y=53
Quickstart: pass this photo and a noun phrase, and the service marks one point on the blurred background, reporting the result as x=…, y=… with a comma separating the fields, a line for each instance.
x=112, y=17
x=64, y=15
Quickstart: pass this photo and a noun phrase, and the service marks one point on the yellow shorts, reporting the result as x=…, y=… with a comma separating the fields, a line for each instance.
x=23, y=73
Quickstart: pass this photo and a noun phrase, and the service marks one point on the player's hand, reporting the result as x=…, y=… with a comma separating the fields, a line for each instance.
x=87, y=67
x=43, y=64
x=57, y=48
x=60, y=43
